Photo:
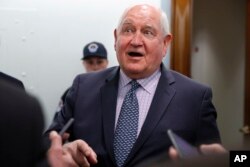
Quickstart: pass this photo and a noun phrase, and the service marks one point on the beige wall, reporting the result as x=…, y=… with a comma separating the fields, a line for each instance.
x=218, y=51
x=41, y=42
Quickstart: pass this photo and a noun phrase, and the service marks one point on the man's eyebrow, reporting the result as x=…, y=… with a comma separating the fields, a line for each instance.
x=149, y=27
x=127, y=21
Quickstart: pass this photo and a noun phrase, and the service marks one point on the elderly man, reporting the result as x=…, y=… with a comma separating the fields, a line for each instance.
x=124, y=119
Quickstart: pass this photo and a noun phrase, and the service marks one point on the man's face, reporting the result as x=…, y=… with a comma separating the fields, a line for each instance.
x=140, y=43
x=95, y=63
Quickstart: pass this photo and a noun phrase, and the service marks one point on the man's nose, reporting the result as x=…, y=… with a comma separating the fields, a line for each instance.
x=137, y=39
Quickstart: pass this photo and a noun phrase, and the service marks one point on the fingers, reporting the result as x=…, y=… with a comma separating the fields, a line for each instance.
x=55, y=150
x=173, y=154
x=56, y=141
x=77, y=153
x=87, y=151
x=65, y=137
x=81, y=152
x=81, y=160
x=212, y=148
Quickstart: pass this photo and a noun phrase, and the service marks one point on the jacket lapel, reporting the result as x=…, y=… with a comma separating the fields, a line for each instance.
x=108, y=105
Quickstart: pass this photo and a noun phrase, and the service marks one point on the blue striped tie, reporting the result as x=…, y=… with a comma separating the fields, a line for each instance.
x=127, y=125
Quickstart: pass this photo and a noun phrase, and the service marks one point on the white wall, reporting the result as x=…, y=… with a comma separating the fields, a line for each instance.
x=41, y=41
x=218, y=59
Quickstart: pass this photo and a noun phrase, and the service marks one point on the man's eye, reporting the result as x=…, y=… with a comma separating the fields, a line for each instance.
x=127, y=30
x=147, y=32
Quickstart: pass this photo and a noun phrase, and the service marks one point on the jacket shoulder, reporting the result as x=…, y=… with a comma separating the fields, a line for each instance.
x=182, y=80
x=105, y=74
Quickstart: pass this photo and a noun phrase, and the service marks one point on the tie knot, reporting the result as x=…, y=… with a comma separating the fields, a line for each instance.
x=134, y=85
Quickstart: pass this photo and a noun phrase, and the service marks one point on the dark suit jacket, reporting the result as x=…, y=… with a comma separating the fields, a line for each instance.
x=13, y=81
x=179, y=104
x=21, y=128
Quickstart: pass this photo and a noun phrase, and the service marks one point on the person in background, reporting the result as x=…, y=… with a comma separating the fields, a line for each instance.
x=17, y=83
x=95, y=58
x=21, y=127
x=123, y=120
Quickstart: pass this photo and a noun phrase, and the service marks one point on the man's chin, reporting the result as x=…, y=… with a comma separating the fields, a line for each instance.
x=135, y=73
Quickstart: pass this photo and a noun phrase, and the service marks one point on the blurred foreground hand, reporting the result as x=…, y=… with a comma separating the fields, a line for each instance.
x=206, y=149
x=73, y=154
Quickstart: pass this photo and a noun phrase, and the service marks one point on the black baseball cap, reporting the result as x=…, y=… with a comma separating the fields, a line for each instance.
x=94, y=49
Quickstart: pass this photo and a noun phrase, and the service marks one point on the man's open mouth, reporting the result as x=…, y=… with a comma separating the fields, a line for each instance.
x=135, y=54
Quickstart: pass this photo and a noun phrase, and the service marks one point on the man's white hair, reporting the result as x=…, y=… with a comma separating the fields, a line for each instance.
x=163, y=20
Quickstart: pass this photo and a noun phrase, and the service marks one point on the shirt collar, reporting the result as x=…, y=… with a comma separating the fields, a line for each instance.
x=146, y=83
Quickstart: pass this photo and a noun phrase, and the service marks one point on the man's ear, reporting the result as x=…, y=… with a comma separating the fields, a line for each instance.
x=115, y=36
x=167, y=40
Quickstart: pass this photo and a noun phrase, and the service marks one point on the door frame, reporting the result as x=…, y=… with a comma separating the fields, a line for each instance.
x=247, y=68
x=181, y=46
x=181, y=28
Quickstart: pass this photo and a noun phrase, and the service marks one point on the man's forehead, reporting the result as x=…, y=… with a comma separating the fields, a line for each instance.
x=143, y=9
x=129, y=22
x=141, y=13
x=146, y=21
